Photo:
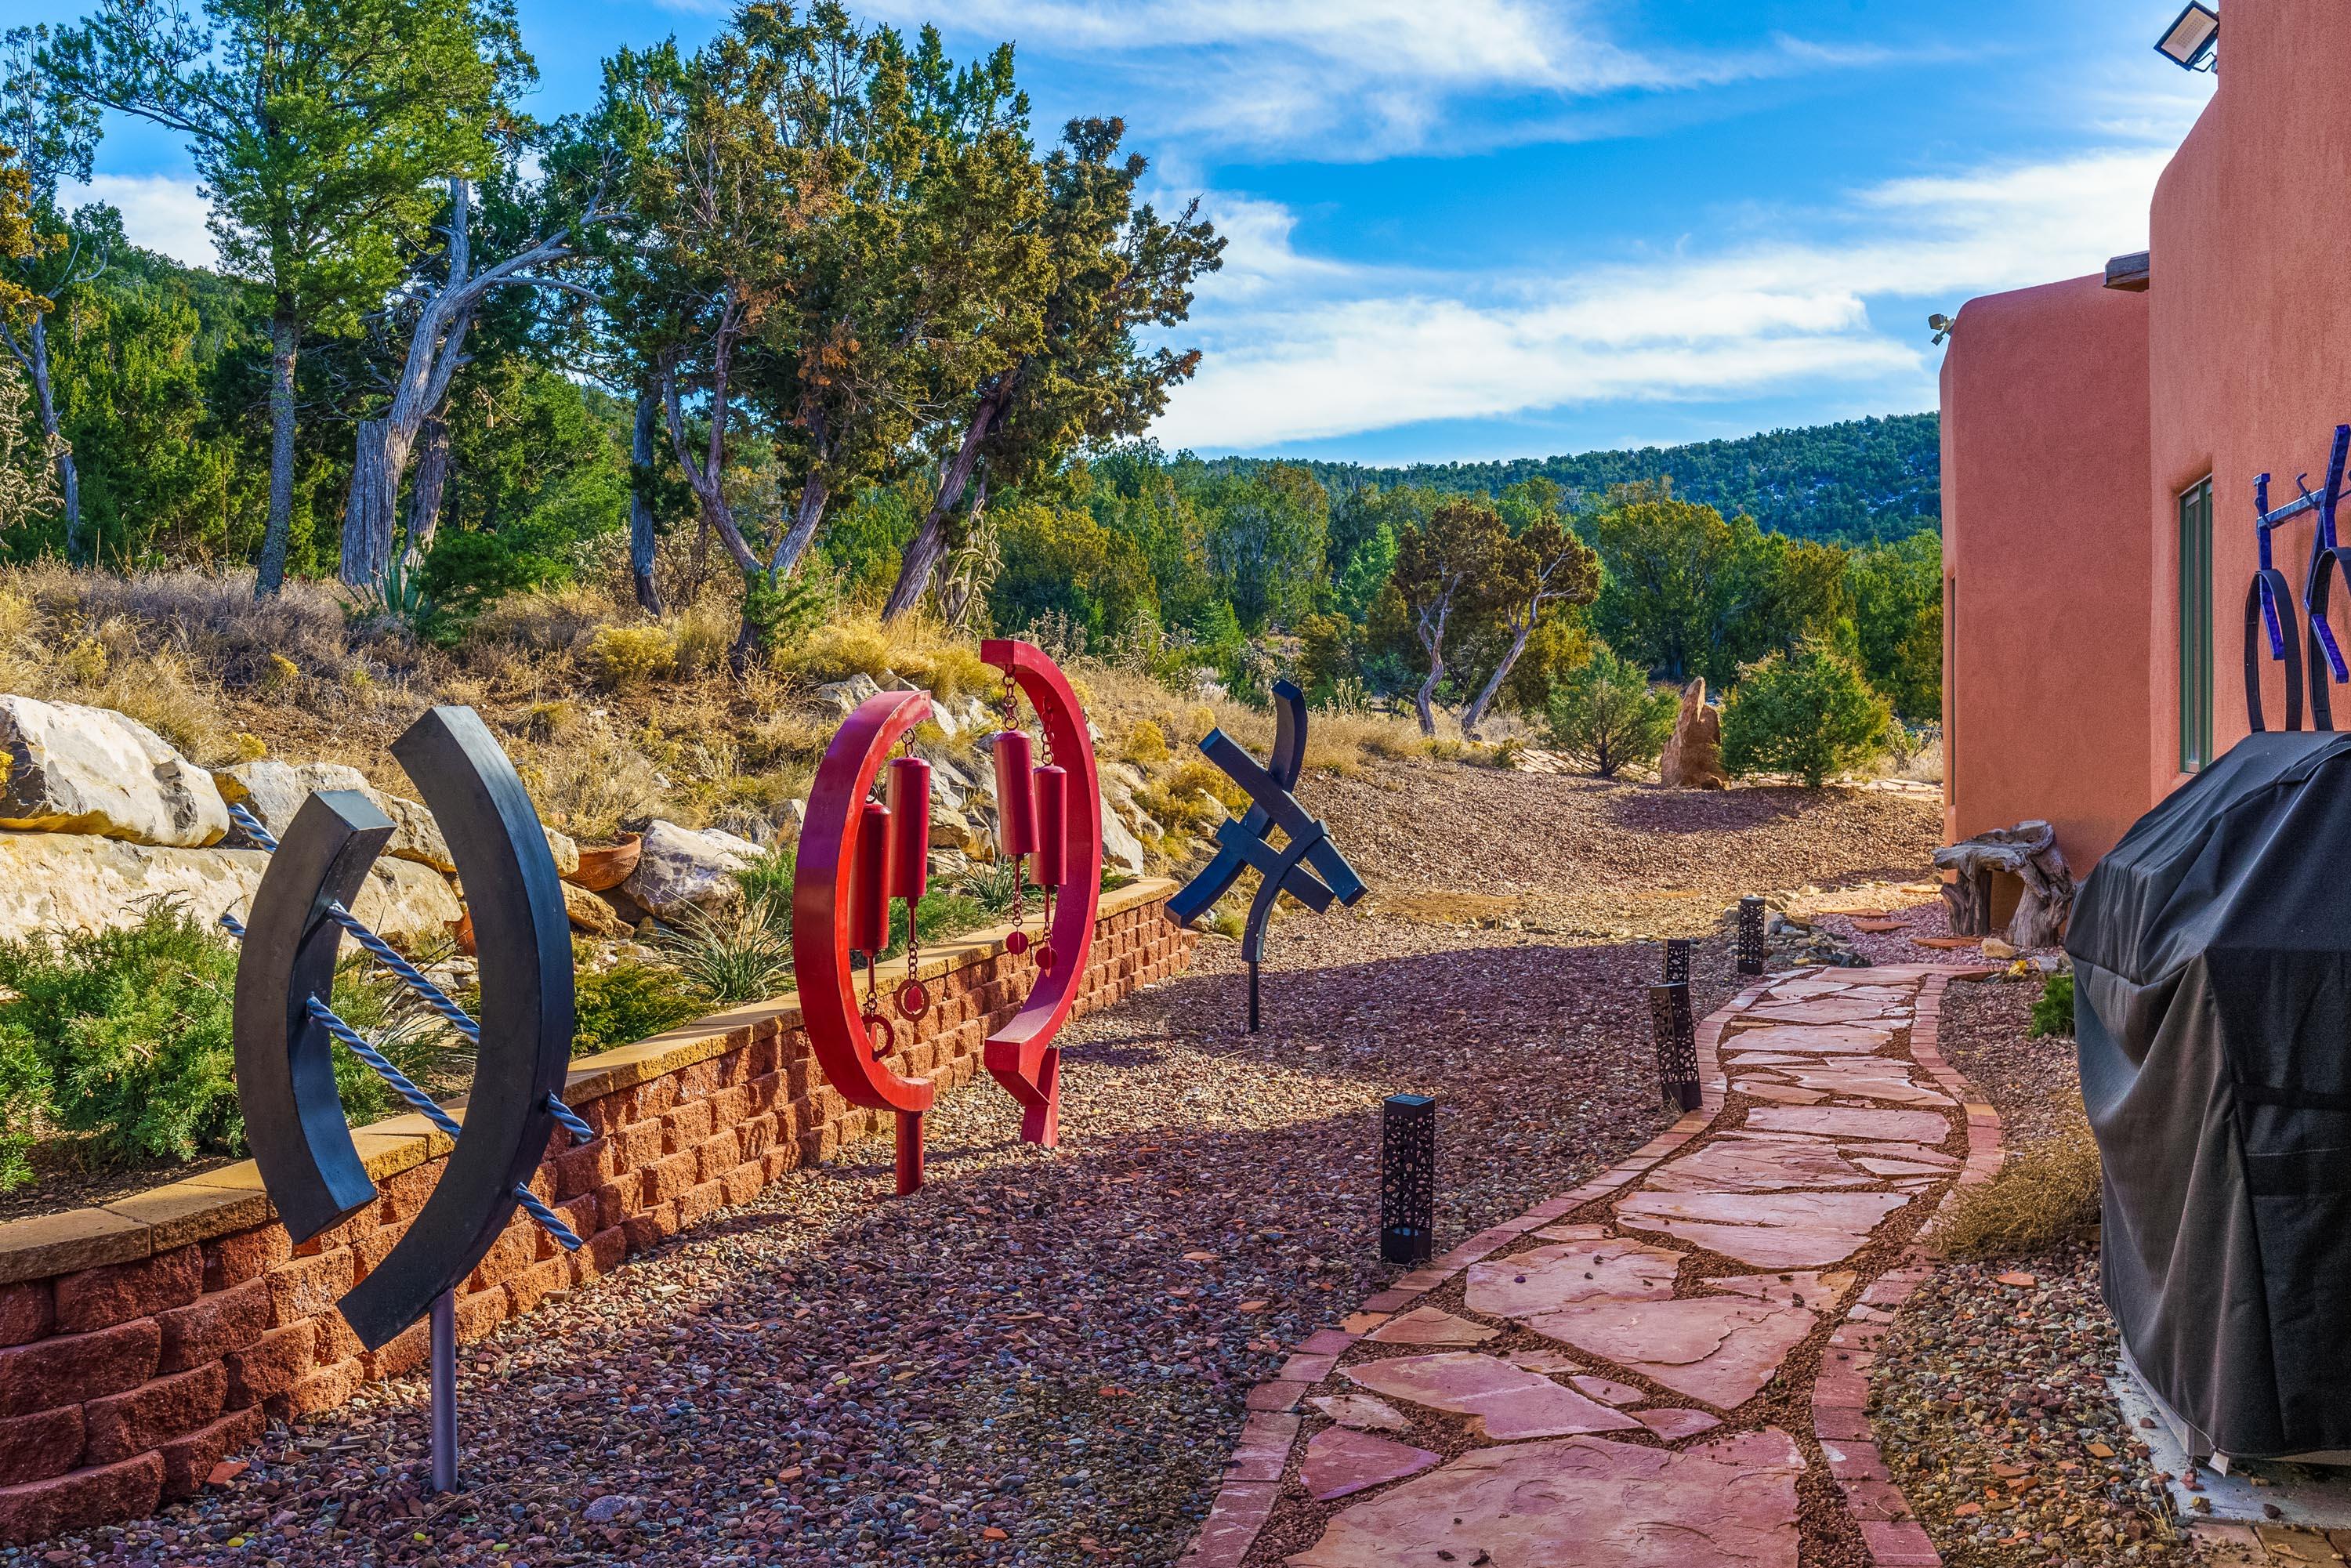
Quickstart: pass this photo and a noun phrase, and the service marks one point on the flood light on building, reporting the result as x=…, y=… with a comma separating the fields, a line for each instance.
x=2189, y=42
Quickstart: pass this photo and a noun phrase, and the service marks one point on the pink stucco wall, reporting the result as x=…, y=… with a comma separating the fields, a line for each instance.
x=2249, y=323
x=2047, y=567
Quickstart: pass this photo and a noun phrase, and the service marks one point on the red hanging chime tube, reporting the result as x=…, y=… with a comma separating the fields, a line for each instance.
x=1048, y=862
x=1015, y=805
x=909, y=793
x=869, y=884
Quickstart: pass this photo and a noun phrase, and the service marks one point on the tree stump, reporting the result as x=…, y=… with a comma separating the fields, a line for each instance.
x=2027, y=852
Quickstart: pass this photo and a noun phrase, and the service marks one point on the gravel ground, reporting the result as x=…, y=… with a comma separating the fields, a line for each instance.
x=1039, y=1360
x=1989, y=1395
x=1591, y=858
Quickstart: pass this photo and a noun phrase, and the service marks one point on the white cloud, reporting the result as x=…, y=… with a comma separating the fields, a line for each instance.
x=159, y=213
x=1301, y=348
x=1355, y=80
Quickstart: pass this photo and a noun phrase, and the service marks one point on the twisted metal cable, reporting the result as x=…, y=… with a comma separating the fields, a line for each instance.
x=565, y=1236
x=356, y=1043
x=432, y=996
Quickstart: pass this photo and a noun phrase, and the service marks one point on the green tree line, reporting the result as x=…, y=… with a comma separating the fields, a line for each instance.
x=811, y=311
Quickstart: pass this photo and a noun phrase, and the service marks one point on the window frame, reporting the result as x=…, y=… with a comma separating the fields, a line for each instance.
x=2194, y=596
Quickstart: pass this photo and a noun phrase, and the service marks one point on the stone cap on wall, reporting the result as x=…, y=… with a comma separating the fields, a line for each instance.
x=216, y=1202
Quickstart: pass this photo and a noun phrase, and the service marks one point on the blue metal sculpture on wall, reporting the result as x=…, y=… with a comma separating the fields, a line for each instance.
x=2270, y=600
x=285, y=1030
x=1308, y=865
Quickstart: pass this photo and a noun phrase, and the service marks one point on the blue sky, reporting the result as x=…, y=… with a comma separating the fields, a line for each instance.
x=1490, y=228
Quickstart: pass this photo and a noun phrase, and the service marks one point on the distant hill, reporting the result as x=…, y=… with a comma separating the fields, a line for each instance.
x=1864, y=479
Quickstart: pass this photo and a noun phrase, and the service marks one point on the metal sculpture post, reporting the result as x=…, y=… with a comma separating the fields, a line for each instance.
x=1751, y=935
x=285, y=1031
x=1676, y=1030
x=1677, y=960
x=1308, y=866
x=1407, y=1178
x=857, y=854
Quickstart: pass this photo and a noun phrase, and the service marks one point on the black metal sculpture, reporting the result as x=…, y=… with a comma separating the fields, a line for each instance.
x=1751, y=935
x=1407, y=1178
x=1308, y=866
x=285, y=1031
x=1676, y=1030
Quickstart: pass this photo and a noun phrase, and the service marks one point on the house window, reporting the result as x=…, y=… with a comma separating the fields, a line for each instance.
x=2196, y=628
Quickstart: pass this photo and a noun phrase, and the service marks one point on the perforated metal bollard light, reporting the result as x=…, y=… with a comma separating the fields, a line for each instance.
x=1676, y=1037
x=1677, y=960
x=1751, y=935
x=1407, y=1178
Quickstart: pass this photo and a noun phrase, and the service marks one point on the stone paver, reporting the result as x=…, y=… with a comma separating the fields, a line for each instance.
x=1837, y=1121
x=1340, y=1462
x=1510, y=1401
x=1720, y=1348
x=1430, y=1326
x=1760, y=1165
x=1792, y=1190
x=1582, y=1500
x=1551, y=1277
x=1362, y=1412
x=1816, y=1040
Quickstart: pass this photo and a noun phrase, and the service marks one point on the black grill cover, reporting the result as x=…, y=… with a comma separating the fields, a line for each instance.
x=2212, y=1005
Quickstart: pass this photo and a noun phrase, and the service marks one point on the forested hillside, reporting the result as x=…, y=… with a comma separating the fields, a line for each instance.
x=1866, y=479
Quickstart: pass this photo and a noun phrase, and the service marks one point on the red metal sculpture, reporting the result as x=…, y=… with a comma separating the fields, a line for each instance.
x=857, y=854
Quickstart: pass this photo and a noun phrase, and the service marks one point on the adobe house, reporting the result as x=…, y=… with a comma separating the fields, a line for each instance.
x=2101, y=440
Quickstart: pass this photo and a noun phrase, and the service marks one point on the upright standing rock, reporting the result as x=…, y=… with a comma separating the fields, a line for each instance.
x=1693, y=757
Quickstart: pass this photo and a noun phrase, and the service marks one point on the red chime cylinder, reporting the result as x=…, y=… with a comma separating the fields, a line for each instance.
x=869, y=882
x=1015, y=805
x=909, y=794
x=1048, y=862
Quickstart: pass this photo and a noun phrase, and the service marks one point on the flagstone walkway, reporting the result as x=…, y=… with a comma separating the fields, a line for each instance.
x=1663, y=1367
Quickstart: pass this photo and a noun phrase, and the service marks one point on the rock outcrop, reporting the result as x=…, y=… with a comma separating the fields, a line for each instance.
x=274, y=791
x=80, y=882
x=681, y=868
x=89, y=771
x=1693, y=757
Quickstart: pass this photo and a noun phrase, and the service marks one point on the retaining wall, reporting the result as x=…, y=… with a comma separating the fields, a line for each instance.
x=144, y=1339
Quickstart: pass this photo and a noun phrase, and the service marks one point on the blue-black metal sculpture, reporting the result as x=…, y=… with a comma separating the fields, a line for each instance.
x=2309, y=651
x=285, y=1030
x=1307, y=865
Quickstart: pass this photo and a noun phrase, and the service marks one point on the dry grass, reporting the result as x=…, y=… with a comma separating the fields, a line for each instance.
x=2046, y=1194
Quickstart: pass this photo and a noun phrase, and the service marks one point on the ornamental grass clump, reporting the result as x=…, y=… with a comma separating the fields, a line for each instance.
x=2046, y=1194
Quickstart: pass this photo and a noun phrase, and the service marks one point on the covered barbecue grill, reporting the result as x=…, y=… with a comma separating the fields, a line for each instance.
x=2213, y=950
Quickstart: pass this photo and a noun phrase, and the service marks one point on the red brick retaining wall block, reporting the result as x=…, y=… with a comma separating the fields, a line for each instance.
x=144, y=1339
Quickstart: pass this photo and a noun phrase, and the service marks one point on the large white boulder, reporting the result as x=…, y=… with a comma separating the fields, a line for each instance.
x=83, y=882
x=75, y=769
x=683, y=868
x=274, y=791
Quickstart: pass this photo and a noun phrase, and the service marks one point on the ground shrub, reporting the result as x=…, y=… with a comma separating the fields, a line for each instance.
x=120, y=1041
x=1809, y=713
x=2054, y=1013
x=1606, y=715
x=728, y=956
x=630, y=1002
x=628, y=658
x=540, y=620
x=1146, y=743
x=2046, y=1194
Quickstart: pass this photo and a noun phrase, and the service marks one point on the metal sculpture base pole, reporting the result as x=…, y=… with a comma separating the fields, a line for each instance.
x=444, y=1392
x=1253, y=1013
x=910, y=1151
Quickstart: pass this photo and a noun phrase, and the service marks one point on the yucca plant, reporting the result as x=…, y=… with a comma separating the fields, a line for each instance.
x=733, y=956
